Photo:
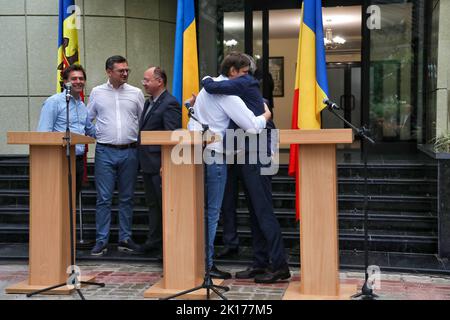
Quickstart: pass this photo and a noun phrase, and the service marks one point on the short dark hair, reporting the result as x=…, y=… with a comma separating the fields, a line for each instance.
x=236, y=60
x=71, y=68
x=161, y=74
x=114, y=59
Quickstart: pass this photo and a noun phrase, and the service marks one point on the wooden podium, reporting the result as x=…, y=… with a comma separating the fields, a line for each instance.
x=319, y=241
x=49, y=251
x=183, y=214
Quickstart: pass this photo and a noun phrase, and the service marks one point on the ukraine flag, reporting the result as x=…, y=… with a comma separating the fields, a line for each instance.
x=311, y=84
x=68, y=50
x=185, y=75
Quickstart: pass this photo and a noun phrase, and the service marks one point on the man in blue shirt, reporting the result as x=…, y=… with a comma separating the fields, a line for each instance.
x=54, y=119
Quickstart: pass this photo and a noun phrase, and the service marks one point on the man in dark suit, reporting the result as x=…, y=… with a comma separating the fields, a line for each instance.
x=161, y=112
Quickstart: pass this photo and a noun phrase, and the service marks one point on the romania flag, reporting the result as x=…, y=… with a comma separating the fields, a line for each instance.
x=311, y=84
x=68, y=51
x=185, y=74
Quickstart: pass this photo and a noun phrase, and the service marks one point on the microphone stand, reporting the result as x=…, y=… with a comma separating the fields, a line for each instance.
x=207, y=280
x=73, y=279
x=366, y=290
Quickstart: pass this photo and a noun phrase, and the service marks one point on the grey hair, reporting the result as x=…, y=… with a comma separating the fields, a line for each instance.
x=252, y=68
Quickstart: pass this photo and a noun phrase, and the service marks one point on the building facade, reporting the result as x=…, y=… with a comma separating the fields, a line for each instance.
x=141, y=30
x=392, y=73
x=388, y=66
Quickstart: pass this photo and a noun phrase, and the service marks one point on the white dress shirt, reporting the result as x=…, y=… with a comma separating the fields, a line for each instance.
x=117, y=112
x=217, y=110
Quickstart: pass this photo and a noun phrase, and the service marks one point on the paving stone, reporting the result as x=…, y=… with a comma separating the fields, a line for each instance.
x=125, y=282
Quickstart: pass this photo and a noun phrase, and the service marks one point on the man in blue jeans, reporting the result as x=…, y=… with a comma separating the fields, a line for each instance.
x=117, y=107
x=270, y=261
x=217, y=111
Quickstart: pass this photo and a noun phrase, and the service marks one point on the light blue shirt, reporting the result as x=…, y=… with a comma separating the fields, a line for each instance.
x=53, y=118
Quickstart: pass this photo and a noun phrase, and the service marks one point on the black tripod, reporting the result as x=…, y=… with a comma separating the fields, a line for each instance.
x=366, y=290
x=73, y=279
x=207, y=280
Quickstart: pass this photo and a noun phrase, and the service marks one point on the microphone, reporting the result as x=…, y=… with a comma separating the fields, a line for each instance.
x=188, y=106
x=330, y=104
x=68, y=86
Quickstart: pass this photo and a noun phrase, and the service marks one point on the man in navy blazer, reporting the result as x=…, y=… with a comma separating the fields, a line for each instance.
x=161, y=112
x=270, y=261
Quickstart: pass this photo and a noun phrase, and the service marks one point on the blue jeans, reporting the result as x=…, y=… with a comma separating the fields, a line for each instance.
x=229, y=203
x=216, y=178
x=110, y=165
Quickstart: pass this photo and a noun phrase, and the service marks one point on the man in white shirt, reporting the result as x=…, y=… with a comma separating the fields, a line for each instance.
x=117, y=107
x=216, y=111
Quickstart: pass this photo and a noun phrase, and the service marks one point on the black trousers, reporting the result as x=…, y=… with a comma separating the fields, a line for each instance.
x=153, y=195
x=79, y=176
x=267, y=241
x=229, y=219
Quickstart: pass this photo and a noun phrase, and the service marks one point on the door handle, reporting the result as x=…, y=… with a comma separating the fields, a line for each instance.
x=353, y=100
x=341, y=102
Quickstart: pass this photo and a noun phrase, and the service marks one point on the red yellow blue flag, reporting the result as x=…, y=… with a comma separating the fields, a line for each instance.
x=185, y=74
x=311, y=84
x=68, y=50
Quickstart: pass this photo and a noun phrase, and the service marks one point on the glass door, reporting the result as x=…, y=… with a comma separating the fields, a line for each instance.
x=344, y=84
x=392, y=75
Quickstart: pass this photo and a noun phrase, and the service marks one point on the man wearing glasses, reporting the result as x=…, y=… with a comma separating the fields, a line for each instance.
x=117, y=107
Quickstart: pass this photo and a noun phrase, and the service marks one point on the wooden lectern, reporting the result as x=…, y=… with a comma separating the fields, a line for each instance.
x=183, y=213
x=319, y=241
x=49, y=251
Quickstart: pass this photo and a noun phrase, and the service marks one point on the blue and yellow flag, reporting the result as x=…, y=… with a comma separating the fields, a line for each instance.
x=68, y=51
x=311, y=83
x=185, y=74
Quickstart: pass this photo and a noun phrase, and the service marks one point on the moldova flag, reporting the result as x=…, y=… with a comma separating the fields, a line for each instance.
x=185, y=74
x=68, y=50
x=311, y=84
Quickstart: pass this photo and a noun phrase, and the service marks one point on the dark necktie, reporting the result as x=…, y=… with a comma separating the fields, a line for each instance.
x=150, y=106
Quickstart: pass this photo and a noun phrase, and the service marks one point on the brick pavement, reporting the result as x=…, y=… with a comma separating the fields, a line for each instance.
x=125, y=281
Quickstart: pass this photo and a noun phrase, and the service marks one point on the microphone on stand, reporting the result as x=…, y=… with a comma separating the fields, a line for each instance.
x=191, y=112
x=188, y=106
x=330, y=104
x=68, y=87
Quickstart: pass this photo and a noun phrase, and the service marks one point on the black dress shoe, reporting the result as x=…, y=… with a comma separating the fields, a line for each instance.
x=226, y=253
x=249, y=273
x=217, y=274
x=273, y=276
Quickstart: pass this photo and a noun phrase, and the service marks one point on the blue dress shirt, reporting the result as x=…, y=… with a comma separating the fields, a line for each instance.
x=53, y=118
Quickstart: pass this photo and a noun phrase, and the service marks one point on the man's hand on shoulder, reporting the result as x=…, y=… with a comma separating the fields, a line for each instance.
x=192, y=99
x=206, y=80
x=267, y=114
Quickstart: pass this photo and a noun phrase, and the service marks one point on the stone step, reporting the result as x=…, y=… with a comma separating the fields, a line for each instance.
x=353, y=219
x=380, y=240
